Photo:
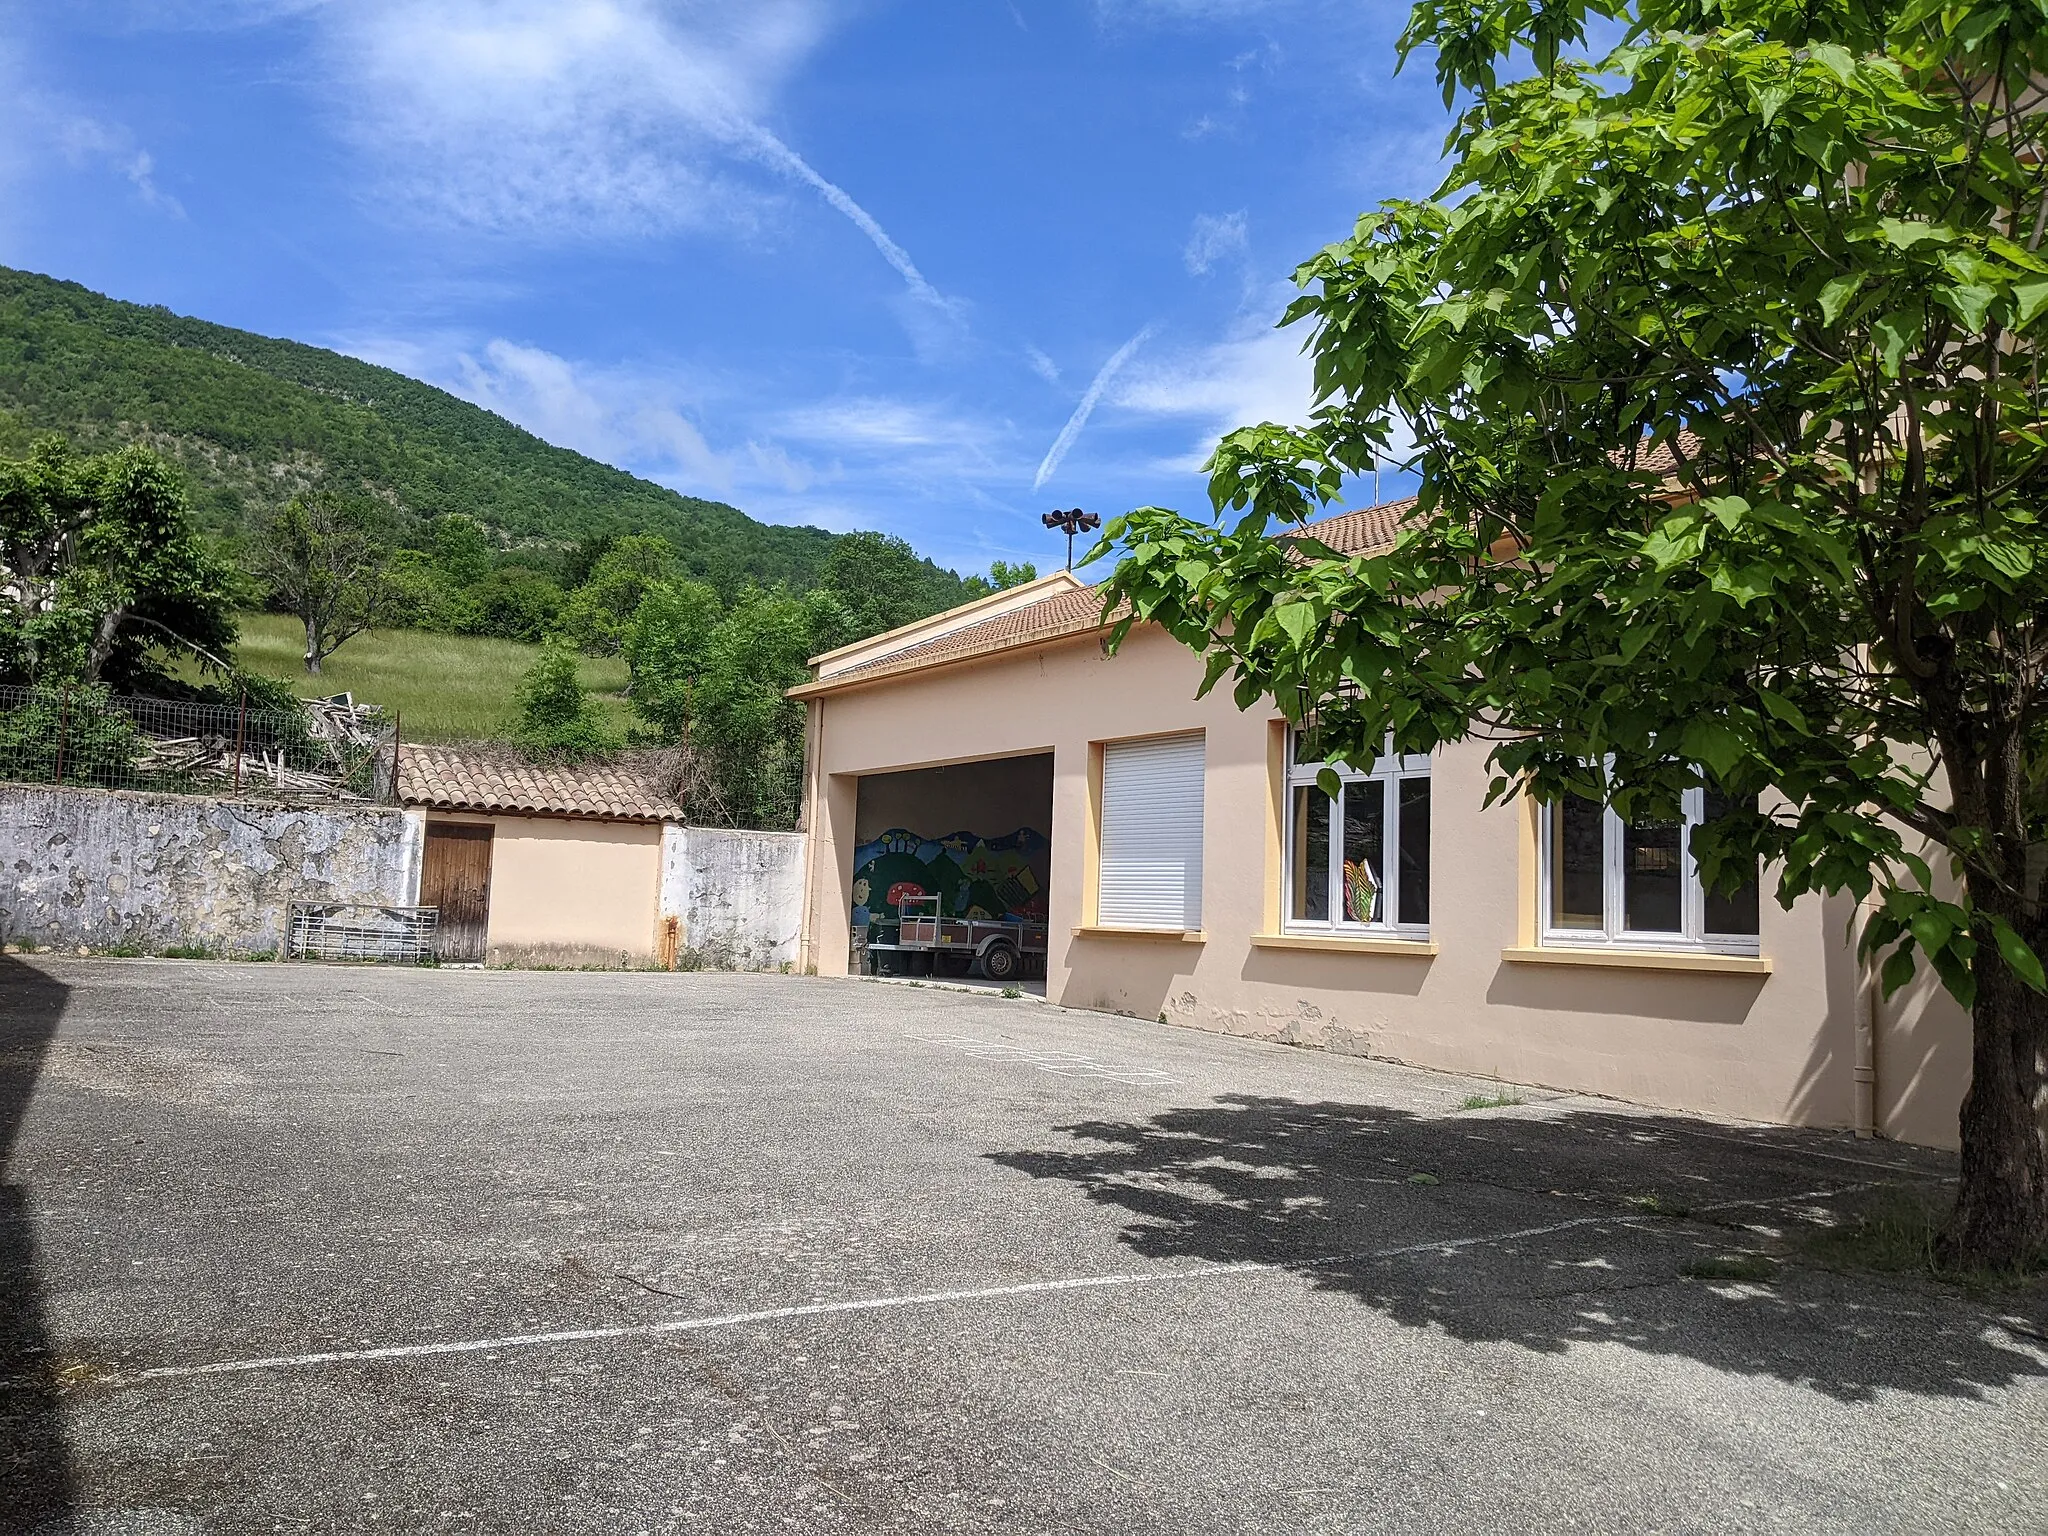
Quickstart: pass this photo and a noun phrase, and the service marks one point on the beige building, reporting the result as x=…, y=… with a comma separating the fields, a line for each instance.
x=1186, y=867
x=534, y=864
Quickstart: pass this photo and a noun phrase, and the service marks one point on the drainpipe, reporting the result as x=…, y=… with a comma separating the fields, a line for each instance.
x=813, y=813
x=1864, y=1114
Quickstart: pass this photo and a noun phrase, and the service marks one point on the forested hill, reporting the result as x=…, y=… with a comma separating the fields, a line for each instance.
x=253, y=419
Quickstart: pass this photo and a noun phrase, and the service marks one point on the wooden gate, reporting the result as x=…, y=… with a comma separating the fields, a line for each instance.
x=456, y=877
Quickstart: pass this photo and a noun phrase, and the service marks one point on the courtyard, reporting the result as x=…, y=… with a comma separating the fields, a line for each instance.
x=299, y=1249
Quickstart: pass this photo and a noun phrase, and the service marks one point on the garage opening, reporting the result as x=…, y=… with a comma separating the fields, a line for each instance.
x=952, y=868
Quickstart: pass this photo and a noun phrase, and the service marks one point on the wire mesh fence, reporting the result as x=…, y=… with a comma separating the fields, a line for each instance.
x=327, y=750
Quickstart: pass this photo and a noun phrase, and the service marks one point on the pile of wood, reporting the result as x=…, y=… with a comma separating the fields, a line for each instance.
x=349, y=733
x=349, y=729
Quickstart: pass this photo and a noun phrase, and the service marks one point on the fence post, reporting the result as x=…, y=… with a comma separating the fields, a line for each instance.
x=397, y=720
x=241, y=730
x=63, y=723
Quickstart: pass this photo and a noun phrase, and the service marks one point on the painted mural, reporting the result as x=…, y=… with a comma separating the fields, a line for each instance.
x=972, y=876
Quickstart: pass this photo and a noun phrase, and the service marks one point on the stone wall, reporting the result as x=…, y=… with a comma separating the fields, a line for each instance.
x=739, y=896
x=100, y=869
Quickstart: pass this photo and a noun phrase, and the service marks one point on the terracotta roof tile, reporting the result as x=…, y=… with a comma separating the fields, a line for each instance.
x=1364, y=532
x=1050, y=618
x=499, y=779
x=1661, y=460
x=1071, y=613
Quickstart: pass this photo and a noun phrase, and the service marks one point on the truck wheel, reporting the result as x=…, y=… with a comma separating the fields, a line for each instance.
x=999, y=962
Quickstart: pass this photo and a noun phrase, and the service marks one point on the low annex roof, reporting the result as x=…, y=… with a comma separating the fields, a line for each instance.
x=495, y=779
x=1065, y=610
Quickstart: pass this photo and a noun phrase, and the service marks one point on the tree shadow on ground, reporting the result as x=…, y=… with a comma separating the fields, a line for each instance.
x=1549, y=1230
x=35, y=1469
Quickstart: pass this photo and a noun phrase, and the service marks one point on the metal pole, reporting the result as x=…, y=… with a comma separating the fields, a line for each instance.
x=63, y=721
x=241, y=734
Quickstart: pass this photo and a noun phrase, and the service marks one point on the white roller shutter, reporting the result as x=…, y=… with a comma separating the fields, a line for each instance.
x=1151, y=871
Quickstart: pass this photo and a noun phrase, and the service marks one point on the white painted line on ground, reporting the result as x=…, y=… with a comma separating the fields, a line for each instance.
x=920, y=1299
x=832, y=1308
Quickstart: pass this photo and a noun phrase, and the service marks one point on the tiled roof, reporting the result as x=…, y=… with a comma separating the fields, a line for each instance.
x=1079, y=612
x=1661, y=460
x=1076, y=612
x=489, y=778
x=1365, y=531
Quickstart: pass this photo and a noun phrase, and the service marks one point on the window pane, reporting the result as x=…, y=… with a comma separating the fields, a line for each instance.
x=1301, y=746
x=1365, y=849
x=1577, y=866
x=1309, y=867
x=1738, y=912
x=1414, y=836
x=1653, y=877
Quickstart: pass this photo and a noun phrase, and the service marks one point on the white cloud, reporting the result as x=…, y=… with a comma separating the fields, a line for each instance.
x=1256, y=373
x=86, y=140
x=871, y=423
x=37, y=126
x=1215, y=238
x=579, y=119
x=1105, y=376
x=620, y=416
x=764, y=455
x=1042, y=365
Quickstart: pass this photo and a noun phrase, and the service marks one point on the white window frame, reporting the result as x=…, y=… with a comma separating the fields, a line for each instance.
x=1614, y=902
x=1390, y=769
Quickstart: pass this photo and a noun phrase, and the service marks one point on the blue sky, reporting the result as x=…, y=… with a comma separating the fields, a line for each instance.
x=933, y=268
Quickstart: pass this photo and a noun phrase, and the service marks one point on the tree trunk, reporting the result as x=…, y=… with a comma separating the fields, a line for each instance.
x=313, y=638
x=2001, y=1216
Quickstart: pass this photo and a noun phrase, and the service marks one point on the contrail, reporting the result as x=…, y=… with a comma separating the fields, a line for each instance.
x=788, y=161
x=1086, y=408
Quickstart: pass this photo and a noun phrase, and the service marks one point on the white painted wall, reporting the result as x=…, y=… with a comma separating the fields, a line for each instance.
x=739, y=895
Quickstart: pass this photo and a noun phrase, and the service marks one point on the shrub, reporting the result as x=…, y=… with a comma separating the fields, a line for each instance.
x=558, y=722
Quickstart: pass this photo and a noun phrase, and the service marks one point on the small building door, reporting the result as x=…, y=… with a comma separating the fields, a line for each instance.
x=456, y=877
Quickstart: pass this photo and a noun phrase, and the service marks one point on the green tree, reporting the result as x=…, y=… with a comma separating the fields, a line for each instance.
x=882, y=582
x=101, y=569
x=462, y=550
x=322, y=556
x=416, y=596
x=514, y=602
x=558, y=720
x=597, y=613
x=1002, y=576
x=67, y=734
x=748, y=735
x=1795, y=251
x=664, y=648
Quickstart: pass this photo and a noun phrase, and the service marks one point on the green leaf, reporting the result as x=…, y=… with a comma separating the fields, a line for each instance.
x=2018, y=957
x=1903, y=235
x=1329, y=782
x=1296, y=620
x=1969, y=302
x=1782, y=708
x=2029, y=299
x=1898, y=969
x=1835, y=297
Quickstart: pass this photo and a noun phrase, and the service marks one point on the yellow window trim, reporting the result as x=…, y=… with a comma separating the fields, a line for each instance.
x=1613, y=957
x=1346, y=944
x=1170, y=935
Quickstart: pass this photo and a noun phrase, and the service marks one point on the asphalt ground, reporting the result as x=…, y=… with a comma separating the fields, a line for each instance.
x=300, y=1249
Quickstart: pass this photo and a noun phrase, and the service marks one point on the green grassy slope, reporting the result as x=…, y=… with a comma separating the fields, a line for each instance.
x=446, y=687
x=251, y=419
